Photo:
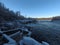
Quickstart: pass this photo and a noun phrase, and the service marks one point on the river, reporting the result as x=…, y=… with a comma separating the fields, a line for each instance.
x=47, y=31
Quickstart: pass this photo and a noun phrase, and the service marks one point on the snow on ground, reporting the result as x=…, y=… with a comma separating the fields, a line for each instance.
x=31, y=41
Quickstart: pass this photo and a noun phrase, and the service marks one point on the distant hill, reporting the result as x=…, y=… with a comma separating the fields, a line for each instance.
x=43, y=18
x=57, y=18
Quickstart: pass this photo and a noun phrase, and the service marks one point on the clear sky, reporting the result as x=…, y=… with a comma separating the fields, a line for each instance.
x=34, y=8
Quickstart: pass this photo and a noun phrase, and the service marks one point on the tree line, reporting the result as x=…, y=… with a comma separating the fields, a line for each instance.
x=9, y=15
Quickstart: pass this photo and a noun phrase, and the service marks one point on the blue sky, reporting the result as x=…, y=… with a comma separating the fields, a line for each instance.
x=34, y=8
